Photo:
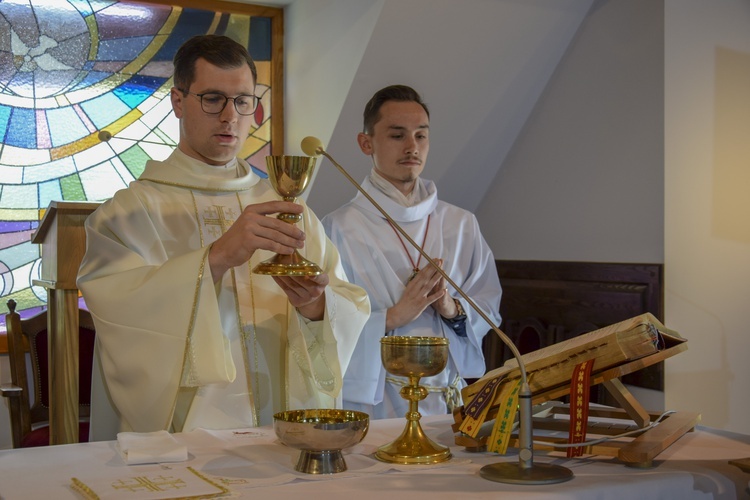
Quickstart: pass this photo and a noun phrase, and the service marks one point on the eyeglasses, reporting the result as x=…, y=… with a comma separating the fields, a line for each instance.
x=214, y=103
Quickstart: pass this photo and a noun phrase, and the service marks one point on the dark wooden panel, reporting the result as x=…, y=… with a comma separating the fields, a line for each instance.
x=546, y=302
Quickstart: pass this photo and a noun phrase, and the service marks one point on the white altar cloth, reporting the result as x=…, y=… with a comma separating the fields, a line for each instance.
x=253, y=464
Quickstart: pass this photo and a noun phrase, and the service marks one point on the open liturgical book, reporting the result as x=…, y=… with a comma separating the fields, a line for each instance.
x=554, y=365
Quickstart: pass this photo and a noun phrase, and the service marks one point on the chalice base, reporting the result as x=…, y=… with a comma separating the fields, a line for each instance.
x=288, y=265
x=413, y=447
x=320, y=462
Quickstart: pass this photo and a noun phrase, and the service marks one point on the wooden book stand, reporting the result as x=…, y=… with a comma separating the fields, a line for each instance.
x=638, y=452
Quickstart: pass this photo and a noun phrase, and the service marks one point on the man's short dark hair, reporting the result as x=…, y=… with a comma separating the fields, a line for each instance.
x=218, y=50
x=401, y=93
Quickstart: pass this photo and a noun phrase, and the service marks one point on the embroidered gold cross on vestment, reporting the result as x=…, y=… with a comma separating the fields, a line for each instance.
x=214, y=218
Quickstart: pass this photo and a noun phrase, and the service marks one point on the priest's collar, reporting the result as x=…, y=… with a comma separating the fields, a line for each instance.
x=182, y=170
x=398, y=212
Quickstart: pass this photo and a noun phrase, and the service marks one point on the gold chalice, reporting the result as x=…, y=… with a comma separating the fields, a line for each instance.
x=321, y=435
x=289, y=176
x=413, y=357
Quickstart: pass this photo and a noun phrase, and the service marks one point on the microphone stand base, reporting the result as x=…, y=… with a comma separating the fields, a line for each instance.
x=513, y=473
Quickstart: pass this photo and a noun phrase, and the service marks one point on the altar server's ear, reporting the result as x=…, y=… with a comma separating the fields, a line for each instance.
x=365, y=143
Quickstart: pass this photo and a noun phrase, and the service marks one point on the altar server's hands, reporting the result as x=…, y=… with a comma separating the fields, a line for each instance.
x=444, y=305
x=421, y=292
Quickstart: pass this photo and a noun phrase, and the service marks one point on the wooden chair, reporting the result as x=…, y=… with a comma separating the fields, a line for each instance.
x=30, y=419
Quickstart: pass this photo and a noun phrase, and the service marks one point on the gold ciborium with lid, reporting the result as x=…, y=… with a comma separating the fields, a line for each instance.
x=414, y=358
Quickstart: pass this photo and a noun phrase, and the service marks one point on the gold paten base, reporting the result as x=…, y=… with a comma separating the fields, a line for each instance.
x=288, y=265
x=413, y=447
x=321, y=462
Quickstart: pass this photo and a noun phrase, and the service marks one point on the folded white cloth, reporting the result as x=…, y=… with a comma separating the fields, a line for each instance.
x=150, y=448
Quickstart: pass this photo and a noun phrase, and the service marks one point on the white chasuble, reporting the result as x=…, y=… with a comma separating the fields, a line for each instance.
x=177, y=351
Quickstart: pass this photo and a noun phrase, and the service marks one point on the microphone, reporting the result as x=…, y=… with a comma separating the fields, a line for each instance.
x=525, y=471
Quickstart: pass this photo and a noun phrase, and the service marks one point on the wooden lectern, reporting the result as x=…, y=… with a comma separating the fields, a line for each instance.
x=63, y=239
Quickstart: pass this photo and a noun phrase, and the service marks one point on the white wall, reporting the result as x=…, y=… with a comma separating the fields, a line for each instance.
x=480, y=65
x=584, y=181
x=324, y=44
x=707, y=207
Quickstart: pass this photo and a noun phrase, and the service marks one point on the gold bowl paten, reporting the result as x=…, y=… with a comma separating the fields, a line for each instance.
x=321, y=435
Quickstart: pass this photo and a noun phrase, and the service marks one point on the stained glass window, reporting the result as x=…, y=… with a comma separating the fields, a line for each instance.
x=84, y=103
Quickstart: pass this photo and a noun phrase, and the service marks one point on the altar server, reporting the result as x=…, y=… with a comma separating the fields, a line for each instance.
x=187, y=336
x=408, y=296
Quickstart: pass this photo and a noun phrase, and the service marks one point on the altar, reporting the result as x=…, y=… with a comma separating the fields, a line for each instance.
x=251, y=463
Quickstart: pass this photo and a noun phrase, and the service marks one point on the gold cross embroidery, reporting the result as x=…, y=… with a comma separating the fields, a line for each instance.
x=215, y=216
x=156, y=483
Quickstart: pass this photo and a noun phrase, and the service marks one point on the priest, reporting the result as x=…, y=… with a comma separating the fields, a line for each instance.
x=187, y=336
x=408, y=296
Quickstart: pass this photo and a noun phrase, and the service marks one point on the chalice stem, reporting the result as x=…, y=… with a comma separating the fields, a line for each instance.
x=287, y=217
x=414, y=393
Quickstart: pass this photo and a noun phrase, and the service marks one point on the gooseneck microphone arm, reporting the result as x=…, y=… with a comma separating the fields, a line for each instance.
x=525, y=472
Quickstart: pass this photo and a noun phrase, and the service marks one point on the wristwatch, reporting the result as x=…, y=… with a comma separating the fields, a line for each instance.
x=460, y=315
